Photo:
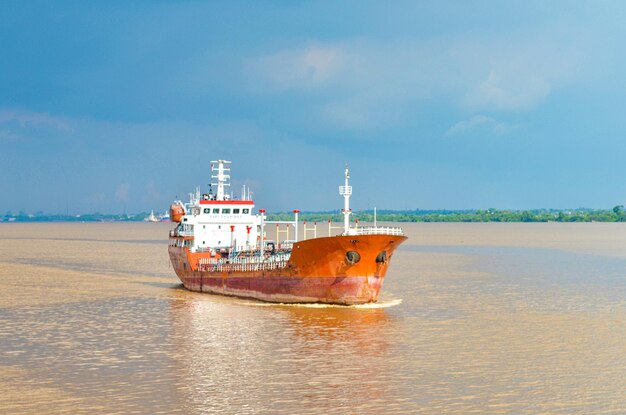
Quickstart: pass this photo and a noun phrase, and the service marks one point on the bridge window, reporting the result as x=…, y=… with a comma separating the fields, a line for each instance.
x=207, y=210
x=235, y=211
x=226, y=211
x=246, y=211
x=216, y=211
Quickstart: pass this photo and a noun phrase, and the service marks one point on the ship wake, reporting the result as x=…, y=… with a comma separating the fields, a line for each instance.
x=377, y=305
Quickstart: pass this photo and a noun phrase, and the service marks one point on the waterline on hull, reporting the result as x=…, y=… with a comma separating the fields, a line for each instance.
x=377, y=305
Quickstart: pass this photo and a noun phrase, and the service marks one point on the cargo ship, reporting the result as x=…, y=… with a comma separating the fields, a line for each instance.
x=219, y=245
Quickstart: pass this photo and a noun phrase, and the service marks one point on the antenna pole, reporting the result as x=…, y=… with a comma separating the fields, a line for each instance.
x=374, y=216
x=346, y=191
x=222, y=177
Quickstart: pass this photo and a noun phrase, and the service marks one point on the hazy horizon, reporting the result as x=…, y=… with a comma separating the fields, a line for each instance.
x=119, y=106
x=329, y=211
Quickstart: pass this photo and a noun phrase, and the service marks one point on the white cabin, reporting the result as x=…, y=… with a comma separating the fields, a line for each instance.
x=222, y=224
x=219, y=222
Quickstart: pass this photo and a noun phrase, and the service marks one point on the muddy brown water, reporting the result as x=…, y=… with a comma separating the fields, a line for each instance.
x=473, y=318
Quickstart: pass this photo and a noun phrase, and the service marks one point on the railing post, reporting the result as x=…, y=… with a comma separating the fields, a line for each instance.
x=262, y=244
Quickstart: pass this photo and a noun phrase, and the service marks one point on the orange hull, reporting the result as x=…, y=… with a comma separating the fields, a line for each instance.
x=317, y=271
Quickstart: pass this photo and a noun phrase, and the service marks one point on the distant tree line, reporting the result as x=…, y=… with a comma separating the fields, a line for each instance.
x=617, y=214
x=90, y=217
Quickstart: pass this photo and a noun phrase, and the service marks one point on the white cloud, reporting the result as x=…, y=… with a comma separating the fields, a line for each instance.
x=307, y=67
x=362, y=82
x=519, y=75
x=9, y=135
x=480, y=121
x=28, y=118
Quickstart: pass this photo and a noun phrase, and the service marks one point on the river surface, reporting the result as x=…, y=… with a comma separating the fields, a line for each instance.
x=473, y=318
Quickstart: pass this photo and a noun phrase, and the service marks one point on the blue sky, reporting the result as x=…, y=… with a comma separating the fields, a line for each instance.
x=119, y=106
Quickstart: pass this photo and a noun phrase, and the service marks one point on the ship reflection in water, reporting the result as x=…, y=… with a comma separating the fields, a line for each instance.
x=493, y=318
x=267, y=358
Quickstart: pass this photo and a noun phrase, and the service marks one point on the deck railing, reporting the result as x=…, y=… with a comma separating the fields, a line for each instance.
x=182, y=230
x=378, y=230
x=243, y=264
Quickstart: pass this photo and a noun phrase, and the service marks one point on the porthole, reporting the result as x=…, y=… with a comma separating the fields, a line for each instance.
x=353, y=257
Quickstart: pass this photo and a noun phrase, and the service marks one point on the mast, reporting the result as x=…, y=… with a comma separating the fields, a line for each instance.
x=222, y=177
x=346, y=191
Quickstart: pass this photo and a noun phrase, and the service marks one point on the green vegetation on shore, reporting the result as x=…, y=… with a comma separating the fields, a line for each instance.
x=91, y=217
x=616, y=214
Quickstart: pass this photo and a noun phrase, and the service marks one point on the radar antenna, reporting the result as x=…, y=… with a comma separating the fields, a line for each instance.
x=346, y=191
x=222, y=177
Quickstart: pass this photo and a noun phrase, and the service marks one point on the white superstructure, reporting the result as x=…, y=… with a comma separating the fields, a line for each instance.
x=223, y=225
x=218, y=222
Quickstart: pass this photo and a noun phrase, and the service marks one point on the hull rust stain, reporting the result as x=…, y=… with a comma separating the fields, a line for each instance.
x=317, y=271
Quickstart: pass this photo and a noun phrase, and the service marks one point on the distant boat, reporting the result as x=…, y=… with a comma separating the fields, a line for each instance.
x=165, y=217
x=151, y=217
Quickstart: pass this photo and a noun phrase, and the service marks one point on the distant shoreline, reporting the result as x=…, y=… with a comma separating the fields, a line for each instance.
x=616, y=214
